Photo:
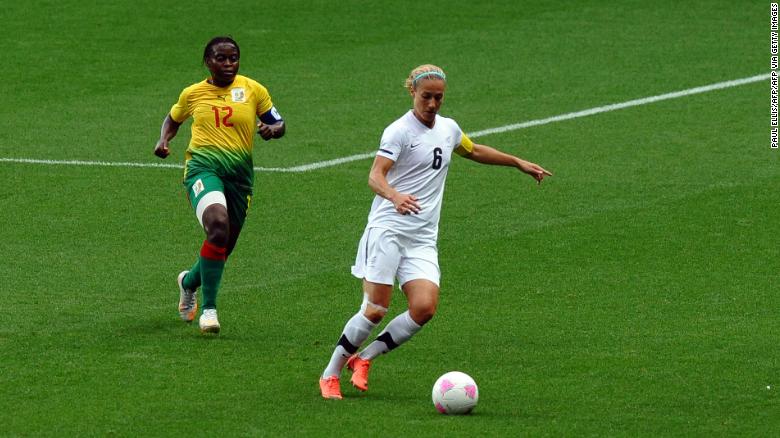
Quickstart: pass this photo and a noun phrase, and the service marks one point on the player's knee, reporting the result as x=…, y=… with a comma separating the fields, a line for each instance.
x=217, y=229
x=374, y=313
x=422, y=313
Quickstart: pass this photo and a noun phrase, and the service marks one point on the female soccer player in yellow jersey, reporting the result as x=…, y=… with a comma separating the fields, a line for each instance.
x=218, y=170
x=399, y=241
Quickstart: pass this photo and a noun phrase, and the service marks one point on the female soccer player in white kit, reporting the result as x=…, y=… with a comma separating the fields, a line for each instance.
x=399, y=241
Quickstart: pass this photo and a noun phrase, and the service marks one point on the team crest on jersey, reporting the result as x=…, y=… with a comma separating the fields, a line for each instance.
x=238, y=95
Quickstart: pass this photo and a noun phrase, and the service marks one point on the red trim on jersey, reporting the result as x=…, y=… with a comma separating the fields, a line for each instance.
x=212, y=252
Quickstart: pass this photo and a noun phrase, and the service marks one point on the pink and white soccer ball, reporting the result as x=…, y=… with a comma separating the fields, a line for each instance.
x=455, y=393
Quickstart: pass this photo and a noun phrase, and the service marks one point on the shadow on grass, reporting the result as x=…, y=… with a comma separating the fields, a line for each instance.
x=170, y=328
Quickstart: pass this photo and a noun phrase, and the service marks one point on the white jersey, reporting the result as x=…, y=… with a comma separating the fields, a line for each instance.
x=422, y=158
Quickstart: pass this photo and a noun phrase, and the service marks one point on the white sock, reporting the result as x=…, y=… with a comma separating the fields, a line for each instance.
x=356, y=332
x=398, y=331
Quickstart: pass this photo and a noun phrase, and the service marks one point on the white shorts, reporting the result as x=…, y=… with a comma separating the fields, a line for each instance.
x=384, y=255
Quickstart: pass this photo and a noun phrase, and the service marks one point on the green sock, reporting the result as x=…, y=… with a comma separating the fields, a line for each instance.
x=212, y=264
x=191, y=281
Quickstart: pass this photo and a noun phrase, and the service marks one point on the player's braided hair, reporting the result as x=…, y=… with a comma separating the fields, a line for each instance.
x=425, y=71
x=217, y=40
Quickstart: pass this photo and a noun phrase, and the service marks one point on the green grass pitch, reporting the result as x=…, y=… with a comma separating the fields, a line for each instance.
x=635, y=293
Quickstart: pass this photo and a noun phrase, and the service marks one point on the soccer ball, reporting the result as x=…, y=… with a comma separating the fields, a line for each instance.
x=455, y=393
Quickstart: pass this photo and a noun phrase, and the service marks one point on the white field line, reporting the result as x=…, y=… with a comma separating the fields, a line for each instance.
x=89, y=163
x=617, y=106
x=475, y=134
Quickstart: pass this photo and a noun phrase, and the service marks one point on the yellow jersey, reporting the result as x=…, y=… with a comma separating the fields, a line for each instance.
x=224, y=118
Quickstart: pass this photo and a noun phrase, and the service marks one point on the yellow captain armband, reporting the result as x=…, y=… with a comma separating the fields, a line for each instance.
x=465, y=147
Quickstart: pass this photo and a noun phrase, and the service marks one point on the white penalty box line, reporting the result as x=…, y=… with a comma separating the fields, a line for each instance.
x=475, y=134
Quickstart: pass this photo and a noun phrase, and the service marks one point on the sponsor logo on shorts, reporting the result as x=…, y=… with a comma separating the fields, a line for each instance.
x=197, y=188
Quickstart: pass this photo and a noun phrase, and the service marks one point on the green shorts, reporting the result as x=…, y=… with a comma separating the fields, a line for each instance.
x=205, y=187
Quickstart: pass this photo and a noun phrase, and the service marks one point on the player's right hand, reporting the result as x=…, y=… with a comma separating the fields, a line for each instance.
x=161, y=149
x=406, y=204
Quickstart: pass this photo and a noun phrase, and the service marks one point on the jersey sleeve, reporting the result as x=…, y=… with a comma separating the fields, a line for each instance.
x=180, y=111
x=264, y=103
x=391, y=143
x=465, y=147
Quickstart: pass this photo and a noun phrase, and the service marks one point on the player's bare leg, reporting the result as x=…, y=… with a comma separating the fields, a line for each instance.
x=423, y=297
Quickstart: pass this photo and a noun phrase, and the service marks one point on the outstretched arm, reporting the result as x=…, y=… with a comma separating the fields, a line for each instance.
x=488, y=155
x=169, y=129
x=404, y=203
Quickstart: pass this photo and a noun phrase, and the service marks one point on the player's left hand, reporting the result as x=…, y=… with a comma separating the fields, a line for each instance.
x=266, y=131
x=536, y=171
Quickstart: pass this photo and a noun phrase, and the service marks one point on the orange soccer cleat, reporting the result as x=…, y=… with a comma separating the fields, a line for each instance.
x=330, y=388
x=359, y=368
